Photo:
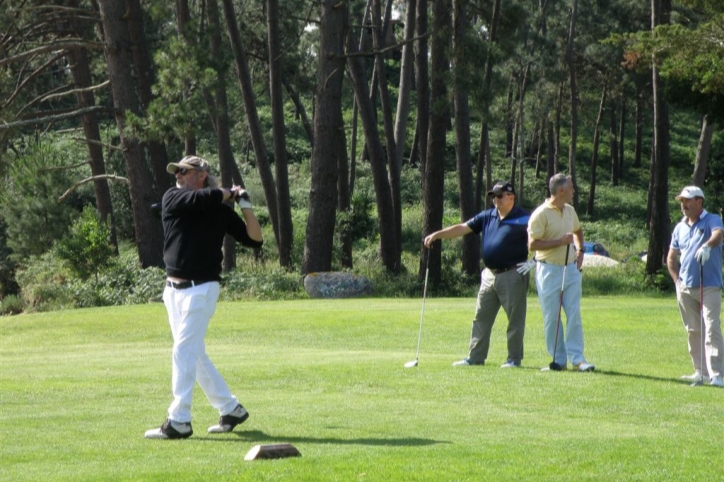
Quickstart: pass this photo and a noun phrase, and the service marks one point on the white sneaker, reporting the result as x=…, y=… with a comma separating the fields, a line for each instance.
x=585, y=367
x=510, y=364
x=716, y=382
x=466, y=363
x=694, y=377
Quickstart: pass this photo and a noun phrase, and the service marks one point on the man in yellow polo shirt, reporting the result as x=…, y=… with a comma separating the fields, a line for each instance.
x=552, y=229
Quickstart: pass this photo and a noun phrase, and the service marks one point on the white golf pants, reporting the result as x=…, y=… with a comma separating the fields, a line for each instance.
x=548, y=280
x=189, y=313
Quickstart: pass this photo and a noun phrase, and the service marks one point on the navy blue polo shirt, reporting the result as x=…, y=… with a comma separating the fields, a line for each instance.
x=504, y=242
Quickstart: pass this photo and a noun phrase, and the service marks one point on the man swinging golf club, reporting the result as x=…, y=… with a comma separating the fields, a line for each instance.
x=504, y=281
x=552, y=228
x=696, y=240
x=195, y=221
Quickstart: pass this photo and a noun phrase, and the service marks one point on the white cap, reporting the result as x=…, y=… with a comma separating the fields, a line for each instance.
x=690, y=192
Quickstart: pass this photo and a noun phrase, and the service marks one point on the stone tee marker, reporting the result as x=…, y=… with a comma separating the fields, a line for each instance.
x=273, y=451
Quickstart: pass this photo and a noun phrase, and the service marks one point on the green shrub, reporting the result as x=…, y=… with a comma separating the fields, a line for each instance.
x=87, y=248
x=261, y=281
x=11, y=305
x=43, y=281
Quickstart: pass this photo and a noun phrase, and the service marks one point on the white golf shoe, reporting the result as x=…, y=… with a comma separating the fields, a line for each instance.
x=694, y=377
x=466, y=363
x=170, y=430
x=510, y=364
x=585, y=367
x=229, y=421
x=716, y=382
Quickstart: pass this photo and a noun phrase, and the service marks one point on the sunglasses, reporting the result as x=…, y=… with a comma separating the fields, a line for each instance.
x=498, y=196
x=183, y=170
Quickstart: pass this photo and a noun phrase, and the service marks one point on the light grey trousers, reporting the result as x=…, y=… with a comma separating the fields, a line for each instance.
x=689, y=307
x=509, y=290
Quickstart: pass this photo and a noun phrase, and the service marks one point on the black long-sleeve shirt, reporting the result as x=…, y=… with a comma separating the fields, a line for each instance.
x=194, y=225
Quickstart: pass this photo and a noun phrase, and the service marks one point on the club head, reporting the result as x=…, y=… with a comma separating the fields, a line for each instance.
x=411, y=364
x=697, y=383
x=555, y=367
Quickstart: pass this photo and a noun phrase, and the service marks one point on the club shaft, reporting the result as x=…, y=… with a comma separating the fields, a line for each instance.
x=702, y=326
x=560, y=304
x=422, y=312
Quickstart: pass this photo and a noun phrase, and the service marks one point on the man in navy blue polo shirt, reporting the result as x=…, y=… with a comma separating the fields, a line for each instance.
x=504, y=281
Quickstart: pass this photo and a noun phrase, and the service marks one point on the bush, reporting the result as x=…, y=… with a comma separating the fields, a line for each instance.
x=11, y=305
x=87, y=247
x=261, y=281
x=43, y=283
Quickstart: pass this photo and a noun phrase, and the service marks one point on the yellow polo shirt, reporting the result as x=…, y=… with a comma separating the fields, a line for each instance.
x=548, y=222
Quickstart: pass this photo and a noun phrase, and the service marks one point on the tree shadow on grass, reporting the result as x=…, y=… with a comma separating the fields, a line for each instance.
x=261, y=437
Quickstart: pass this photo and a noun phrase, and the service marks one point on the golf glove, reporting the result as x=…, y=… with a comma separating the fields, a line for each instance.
x=243, y=199
x=702, y=255
x=526, y=267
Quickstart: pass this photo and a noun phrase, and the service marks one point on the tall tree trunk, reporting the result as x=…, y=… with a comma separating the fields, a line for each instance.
x=80, y=70
x=702, y=152
x=481, y=183
x=557, y=137
x=659, y=234
x=594, y=157
x=353, y=149
x=145, y=78
x=518, y=148
x=540, y=138
x=622, y=135
x=551, y=152
x=284, y=207
x=613, y=142
x=252, y=116
x=471, y=242
x=484, y=160
x=343, y=205
x=329, y=127
x=639, y=134
x=422, y=81
x=439, y=113
x=510, y=119
x=406, y=73
x=148, y=231
x=183, y=17
x=393, y=165
x=220, y=114
x=388, y=242
x=301, y=111
x=570, y=61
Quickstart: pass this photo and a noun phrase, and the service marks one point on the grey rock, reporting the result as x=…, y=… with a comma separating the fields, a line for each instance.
x=334, y=284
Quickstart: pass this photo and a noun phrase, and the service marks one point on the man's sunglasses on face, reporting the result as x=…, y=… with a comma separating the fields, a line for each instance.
x=184, y=170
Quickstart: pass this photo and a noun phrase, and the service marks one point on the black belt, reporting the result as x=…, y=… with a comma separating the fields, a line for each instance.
x=503, y=270
x=182, y=285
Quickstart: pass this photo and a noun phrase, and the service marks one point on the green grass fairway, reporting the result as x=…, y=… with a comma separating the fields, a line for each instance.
x=79, y=388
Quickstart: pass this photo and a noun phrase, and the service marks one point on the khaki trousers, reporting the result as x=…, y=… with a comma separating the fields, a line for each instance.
x=509, y=290
x=689, y=306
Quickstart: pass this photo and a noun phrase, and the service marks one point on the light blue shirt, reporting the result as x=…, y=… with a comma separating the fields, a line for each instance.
x=688, y=239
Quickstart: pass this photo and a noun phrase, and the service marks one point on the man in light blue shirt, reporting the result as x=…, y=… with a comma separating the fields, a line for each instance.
x=696, y=253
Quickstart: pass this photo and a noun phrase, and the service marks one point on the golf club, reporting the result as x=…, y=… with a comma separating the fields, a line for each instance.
x=413, y=363
x=555, y=366
x=702, y=328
